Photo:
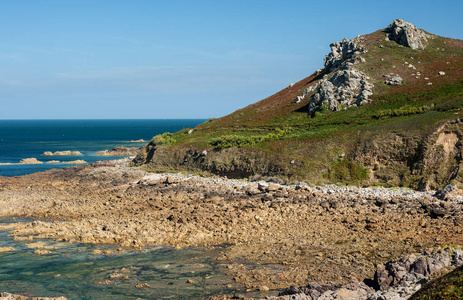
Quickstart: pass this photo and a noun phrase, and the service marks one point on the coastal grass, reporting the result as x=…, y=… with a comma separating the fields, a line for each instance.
x=448, y=287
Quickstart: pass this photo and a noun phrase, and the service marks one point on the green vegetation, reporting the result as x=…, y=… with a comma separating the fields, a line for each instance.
x=162, y=139
x=449, y=286
x=235, y=140
x=347, y=171
x=403, y=111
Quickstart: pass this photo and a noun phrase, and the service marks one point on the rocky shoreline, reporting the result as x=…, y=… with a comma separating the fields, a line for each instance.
x=299, y=234
x=119, y=151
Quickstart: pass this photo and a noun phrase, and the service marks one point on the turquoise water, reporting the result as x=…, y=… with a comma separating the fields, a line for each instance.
x=74, y=271
x=31, y=138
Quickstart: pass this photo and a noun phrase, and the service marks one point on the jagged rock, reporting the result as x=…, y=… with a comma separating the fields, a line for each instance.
x=347, y=87
x=341, y=51
x=306, y=91
x=393, y=80
x=406, y=34
x=414, y=267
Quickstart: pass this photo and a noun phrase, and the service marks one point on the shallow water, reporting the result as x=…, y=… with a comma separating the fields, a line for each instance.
x=73, y=271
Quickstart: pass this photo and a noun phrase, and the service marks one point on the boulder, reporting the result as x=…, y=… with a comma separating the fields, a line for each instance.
x=341, y=51
x=393, y=79
x=346, y=87
x=406, y=34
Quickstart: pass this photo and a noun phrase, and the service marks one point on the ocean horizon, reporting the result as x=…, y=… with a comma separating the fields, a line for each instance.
x=30, y=138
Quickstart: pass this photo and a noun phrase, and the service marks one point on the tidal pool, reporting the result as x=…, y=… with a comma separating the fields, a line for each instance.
x=85, y=271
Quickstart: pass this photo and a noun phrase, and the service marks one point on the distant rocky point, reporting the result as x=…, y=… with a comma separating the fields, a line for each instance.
x=119, y=151
x=138, y=141
x=67, y=152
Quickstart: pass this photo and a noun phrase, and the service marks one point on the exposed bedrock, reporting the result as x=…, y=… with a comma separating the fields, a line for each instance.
x=346, y=87
x=406, y=34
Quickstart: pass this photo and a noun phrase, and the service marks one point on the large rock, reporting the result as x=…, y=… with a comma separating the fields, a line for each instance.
x=415, y=267
x=347, y=87
x=407, y=34
x=342, y=51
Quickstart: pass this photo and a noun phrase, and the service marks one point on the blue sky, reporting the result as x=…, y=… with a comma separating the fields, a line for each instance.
x=178, y=59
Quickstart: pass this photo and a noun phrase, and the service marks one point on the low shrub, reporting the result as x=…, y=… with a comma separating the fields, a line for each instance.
x=162, y=139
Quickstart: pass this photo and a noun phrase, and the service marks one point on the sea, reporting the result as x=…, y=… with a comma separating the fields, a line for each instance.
x=85, y=271
x=21, y=139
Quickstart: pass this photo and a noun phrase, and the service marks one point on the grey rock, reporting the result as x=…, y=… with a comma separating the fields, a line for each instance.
x=342, y=51
x=406, y=34
x=393, y=80
x=346, y=87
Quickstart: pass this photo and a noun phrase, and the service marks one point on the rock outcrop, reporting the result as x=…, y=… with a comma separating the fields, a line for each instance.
x=342, y=51
x=393, y=79
x=393, y=280
x=406, y=34
x=347, y=87
x=119, y=151
x=30, y=161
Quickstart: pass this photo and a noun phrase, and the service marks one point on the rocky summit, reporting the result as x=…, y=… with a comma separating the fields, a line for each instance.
x=407, y=34
x=348, y=86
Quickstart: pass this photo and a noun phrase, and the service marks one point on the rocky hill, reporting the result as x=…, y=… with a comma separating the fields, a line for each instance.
x=386, y=109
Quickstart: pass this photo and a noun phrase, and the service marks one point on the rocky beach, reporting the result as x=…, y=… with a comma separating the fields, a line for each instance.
x=297, y=233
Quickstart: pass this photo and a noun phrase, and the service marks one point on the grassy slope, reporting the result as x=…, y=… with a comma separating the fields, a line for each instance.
x=316, y=142
x=449, y=286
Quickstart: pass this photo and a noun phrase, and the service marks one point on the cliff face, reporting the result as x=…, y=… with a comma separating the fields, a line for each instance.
x=386, y=109
x=425, y=162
